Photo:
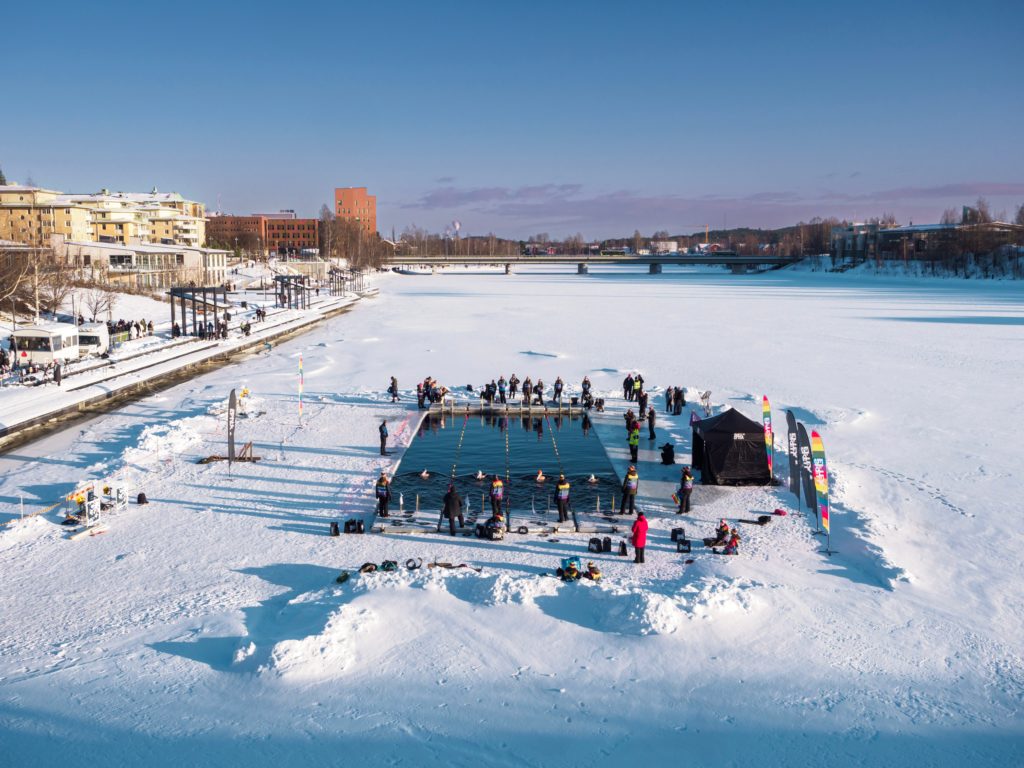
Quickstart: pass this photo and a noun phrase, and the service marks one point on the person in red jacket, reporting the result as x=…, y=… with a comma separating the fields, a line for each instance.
x=639, y=537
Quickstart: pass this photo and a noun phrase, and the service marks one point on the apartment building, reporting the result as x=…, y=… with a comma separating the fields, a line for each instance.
x=33, y=215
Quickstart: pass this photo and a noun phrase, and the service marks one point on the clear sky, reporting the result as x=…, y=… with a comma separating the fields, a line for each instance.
x=525, y=117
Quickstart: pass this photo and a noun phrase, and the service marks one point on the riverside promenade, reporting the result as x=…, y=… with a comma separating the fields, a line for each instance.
x=28, y=411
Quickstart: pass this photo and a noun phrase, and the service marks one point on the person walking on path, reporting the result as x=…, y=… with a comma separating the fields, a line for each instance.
x=685, y=489
x=650, y=423
x=453, y=508
x=562, y=499
x=57, y=373
x=634, y=441
x=393, y=390
x=383, y=429
x=496, y=495
x=668, y=400
x=383, y=492
x=630, y=485
x=639, y=537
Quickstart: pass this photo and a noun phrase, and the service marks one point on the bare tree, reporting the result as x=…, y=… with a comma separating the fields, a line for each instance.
x=1019, y=218
x=949, y=216
x=979, y=214
x=99, y=300
x=327, y=239
x=14, y=269
x=54, y=280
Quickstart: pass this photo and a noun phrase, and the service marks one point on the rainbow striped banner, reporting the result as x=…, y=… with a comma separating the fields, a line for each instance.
x=820, y=478
x=769, y=436
x=302, y=385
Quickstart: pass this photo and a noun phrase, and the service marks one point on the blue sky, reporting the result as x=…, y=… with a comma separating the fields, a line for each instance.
x=520, y=118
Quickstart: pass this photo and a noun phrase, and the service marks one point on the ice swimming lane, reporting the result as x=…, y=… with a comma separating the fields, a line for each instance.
x=530, y=450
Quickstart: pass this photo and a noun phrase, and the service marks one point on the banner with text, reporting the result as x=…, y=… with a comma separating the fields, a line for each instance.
x=232, y=418
x=769, y=436
x=820, y=478
x=793, y=450
x=806, y=467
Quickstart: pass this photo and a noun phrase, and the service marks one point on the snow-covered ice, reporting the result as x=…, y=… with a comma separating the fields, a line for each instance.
x=207, y=628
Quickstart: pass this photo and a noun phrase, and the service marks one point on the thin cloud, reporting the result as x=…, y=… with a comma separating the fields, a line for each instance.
x=569, y=207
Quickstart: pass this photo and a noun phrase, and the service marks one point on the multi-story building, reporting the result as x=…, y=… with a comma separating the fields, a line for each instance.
x=277, y=233
x=33, y=215
x=246, y=233
x=145, y=265
x=353, y=204
x=293, y=235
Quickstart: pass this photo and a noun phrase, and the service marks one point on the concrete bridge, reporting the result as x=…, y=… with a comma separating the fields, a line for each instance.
x=654, y=264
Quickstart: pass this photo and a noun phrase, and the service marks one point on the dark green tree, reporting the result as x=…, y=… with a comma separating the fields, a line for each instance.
x=3, y=179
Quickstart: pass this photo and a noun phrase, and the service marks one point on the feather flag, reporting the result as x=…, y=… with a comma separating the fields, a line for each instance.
x=769, y=436
x=820, y=478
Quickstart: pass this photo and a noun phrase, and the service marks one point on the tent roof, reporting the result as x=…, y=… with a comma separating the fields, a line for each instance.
x=731, y=421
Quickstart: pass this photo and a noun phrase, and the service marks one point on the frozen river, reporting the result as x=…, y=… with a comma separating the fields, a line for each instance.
x=206, y=628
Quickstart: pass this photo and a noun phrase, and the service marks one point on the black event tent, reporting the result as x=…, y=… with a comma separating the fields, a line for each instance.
x=728, y=449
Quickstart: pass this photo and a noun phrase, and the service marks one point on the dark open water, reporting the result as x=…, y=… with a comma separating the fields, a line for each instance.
x=530, y=447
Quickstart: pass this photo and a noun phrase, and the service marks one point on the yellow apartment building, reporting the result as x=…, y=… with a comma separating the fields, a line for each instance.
x=33, y=215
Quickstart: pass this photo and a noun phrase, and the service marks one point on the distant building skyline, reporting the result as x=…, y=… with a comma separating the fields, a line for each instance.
x=651, y=116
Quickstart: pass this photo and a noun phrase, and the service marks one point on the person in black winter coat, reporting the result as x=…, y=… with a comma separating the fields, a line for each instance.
x=650, y=422
x=453, y=508
x=383, y=429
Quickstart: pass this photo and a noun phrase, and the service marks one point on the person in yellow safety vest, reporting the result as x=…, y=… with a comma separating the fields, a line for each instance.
x=593, y=572
x=497, y=495
x=630, y=485
x=634, y=442
x=562, y=498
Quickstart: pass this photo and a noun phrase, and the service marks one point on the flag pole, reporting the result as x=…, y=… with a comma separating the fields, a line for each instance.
x=302, y=383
